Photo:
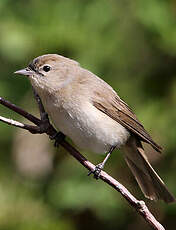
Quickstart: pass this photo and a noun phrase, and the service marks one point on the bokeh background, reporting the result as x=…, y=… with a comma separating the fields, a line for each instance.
x=131, y=45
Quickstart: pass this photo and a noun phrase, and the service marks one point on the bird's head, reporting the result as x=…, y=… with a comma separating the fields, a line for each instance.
x=50, y=70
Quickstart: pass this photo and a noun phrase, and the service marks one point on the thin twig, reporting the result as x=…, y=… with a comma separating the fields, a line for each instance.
x=31, y=128
x=140, y=206
x=20, y=111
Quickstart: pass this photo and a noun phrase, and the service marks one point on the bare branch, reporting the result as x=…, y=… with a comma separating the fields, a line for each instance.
x=140, y=206
x=31, y=128
x=12, y=122
x=20, y=111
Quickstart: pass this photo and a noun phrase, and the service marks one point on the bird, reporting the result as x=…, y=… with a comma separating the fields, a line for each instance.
x=85, y=108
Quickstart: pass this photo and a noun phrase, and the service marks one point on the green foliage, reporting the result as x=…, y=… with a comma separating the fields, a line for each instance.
x=130, y=44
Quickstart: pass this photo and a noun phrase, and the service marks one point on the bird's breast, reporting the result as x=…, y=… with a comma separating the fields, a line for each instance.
x=88, y=127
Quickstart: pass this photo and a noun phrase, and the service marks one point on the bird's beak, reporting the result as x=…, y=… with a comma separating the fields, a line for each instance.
x=26, y=72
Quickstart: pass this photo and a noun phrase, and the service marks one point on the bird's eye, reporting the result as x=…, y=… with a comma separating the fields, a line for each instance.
x=46, y=68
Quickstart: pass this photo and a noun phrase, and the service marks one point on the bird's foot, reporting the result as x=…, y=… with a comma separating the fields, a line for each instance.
x=97, y=171
x=58, y=137
x=44, y=124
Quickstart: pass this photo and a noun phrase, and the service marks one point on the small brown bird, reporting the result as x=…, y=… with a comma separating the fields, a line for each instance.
x=86, y=109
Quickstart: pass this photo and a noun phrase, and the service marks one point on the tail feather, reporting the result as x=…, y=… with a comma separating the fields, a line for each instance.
x=150, y=183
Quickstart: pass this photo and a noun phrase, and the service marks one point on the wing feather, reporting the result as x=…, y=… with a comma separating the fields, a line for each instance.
x=119, y=111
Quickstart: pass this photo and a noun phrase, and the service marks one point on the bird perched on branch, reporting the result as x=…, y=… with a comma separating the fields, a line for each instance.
x=86, y=109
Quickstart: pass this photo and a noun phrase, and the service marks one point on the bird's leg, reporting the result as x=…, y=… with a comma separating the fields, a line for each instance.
x=101, y=165
x=45, y=123
x=58, y=137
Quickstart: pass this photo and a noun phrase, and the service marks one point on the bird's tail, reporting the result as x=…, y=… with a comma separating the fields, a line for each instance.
x=150, y=183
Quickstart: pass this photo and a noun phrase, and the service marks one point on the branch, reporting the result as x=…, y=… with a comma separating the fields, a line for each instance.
x=30, y=128
x=43, y=126
x=20, y=111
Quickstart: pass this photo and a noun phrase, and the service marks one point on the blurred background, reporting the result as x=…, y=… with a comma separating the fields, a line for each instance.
x=132, y=46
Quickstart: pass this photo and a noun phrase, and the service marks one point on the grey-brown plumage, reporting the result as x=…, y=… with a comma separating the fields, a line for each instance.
x=150, y=183
x=90, y=112
x=120, y=112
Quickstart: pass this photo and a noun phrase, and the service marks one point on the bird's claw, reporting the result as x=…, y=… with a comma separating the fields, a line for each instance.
x=58, y=137
x=97, y=171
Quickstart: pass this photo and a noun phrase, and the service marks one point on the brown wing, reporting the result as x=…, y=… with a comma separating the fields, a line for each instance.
x=119, y=111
